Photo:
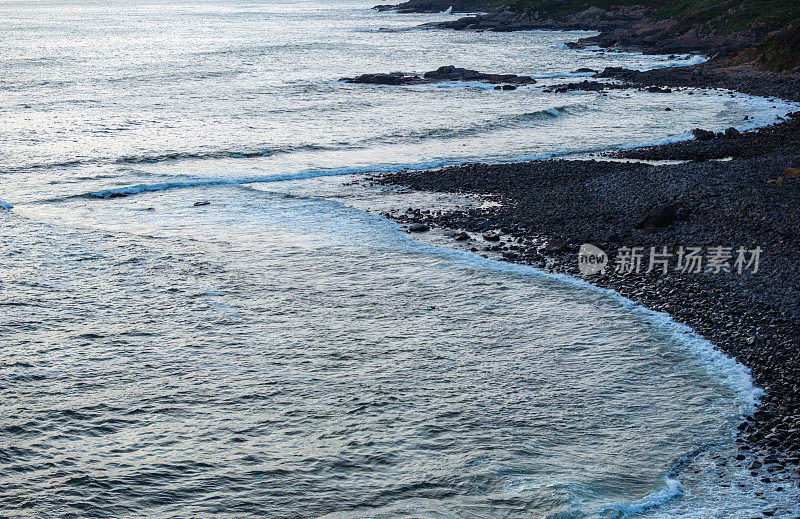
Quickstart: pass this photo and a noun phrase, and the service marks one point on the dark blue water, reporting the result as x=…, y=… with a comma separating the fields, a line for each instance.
x=281, y=352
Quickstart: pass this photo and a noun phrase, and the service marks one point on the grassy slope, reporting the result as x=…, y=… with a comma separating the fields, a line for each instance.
x=776, y=23
x=733, y=15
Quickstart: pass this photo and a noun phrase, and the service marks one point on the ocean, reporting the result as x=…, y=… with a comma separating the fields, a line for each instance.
x=285, y=351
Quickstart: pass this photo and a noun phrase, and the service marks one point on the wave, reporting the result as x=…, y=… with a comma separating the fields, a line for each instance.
x=501, y=123
x=301, y=175
x=671, y=489
x=175, y=156
x=6, y=205
x=314, y=173
x=717, y=364
x=720, y=366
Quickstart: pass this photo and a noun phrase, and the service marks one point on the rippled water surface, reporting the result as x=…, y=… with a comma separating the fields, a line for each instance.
x=281, y=352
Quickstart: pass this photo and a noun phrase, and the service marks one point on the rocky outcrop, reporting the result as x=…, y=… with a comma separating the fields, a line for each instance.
x=446, y=73
x=749, y=29
x=434, y=6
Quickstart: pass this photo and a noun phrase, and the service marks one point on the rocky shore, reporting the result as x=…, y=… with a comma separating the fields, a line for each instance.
x=548, y=208
x=748, y=30
x=752, y=46
x=732, y=190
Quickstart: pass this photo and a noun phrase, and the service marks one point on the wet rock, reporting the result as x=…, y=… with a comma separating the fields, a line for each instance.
x=555, y=246
x=659, y=216
x=587, y=86
x=445, y=73
x=392, y=78
x=462, y=236
x=702, y=135
x=418, y=227
x=732, y=132
x=491, y=237
x=202, y=203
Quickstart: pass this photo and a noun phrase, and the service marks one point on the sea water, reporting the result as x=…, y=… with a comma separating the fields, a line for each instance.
x=281, y=351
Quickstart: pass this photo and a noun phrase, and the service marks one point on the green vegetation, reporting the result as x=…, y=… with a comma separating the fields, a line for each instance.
x=774, y=23
x=723, y=17
x=733, y=15
x=558, y=8
x=780, y=52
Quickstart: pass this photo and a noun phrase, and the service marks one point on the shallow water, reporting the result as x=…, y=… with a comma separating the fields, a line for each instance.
x=282, y=352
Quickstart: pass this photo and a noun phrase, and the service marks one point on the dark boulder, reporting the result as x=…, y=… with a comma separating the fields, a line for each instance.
x=732, y=132
x=392, y=78
x=418, y=227
x=555, y=245
x=658, y=216
x=703, y=135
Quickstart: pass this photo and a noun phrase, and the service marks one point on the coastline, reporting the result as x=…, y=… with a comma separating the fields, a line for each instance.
x=731, y=189
x=548, y=208
x=755, y=58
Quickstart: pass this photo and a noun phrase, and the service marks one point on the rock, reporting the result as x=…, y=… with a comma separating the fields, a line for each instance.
x=658, y=216
x=555, y=245
x=668, y=109
x=587, y=86
x=732, y=132
x=462, y=236
x=754, y=465
x=117, y=195
x=445, y=73
x=702, y=135
x=590, y=14
x=201, y=203
x=418, y=227
x=659, y=90
x=505, y=87
x=491, y=237
x=393, y=78
x=584, y=70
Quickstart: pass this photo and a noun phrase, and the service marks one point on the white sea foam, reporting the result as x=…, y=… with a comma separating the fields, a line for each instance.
x=671, y=489
x=720, y=366
x=301, y=175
